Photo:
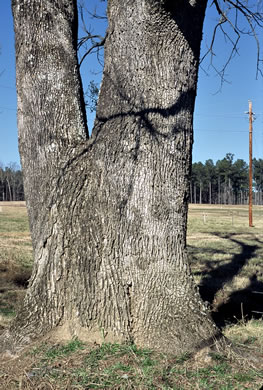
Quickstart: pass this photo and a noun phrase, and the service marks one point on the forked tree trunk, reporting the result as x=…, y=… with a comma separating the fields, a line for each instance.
x=108, y=215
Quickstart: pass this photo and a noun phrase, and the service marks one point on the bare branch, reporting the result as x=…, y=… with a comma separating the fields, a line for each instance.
x=232, y=13
x=90, y=43
x=94, y=48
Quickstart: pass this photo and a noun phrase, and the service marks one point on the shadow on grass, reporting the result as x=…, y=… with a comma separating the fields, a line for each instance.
x=241, y=304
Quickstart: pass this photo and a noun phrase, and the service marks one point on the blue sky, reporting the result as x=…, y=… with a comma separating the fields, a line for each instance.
x=220, y=122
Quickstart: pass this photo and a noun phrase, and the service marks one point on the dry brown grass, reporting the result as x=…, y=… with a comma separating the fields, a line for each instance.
x=15, y=258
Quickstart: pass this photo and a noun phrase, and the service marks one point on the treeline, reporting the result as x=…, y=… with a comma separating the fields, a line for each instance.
x=226, y=181
x=11, y=183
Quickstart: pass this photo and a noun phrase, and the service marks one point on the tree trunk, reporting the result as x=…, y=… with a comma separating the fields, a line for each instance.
x=219, y=190
x=200, y=192
x=9, y=189
x=225, y=192
x=108, y=215
x=230, y=193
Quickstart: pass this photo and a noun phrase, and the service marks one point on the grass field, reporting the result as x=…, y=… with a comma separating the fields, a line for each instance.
x=15, y=257
x=226, y=258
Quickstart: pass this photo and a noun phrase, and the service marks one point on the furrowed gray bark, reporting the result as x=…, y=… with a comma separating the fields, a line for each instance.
x=108, y=215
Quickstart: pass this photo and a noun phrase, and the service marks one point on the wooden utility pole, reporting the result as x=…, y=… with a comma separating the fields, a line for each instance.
x=250, y=163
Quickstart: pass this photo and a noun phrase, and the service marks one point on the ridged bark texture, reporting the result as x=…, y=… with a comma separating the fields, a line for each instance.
x=108, y=215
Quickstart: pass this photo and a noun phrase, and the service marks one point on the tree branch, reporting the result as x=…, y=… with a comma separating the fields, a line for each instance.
x=92, y=43
x=230, y=12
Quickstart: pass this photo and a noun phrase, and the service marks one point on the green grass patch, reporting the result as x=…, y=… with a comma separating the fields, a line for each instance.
x=7, y=310
x=63, y=350
x=124, y=366
x=50, y=353
x=9, y=223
